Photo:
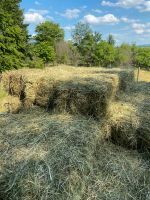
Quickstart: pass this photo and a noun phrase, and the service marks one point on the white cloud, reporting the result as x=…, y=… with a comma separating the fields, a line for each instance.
x=140, y=28
x=35, y=16
x=142, y=5
x=41, y=12
x=127, y=20
x=97, y=11
x=37, y=3
x=106, y=19
x=71, y=13
x=146, y=7
x=69, y=28
x=49, y=17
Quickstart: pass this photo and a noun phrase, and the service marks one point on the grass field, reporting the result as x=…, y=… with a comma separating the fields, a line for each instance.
x=143, y=75
x=78, y=134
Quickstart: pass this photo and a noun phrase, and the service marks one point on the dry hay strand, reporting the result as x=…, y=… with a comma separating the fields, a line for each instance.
x=62, y=157
x=123, y=122
x=88, y=97
x=126, y=78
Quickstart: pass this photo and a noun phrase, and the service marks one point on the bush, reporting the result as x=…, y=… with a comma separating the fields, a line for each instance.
x=36, y=63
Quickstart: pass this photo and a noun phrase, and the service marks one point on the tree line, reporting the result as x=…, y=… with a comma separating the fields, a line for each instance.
x=87, y=48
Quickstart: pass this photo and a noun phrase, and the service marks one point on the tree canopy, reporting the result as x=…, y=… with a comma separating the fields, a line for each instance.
x=13, y=35
x=49, y=32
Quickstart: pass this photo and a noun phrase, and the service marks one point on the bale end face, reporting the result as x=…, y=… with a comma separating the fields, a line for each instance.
x=86, y=97
x=125, y=79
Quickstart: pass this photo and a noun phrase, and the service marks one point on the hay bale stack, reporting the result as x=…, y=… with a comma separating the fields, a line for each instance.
x=88, y=97
x=126, y=78
x=124, y=123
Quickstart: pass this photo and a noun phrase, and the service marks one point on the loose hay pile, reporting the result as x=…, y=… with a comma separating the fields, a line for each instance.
x=63, y=157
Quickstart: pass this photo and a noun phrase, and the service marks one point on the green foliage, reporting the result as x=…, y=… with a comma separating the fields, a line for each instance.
x=45, y=51
x=88, y=46
x=111, y=40
x=124, y=55
x=13, y=35
x=80, y=31
x=49, y=32
x=35, y=63
x=143, y=58
x=105, y=54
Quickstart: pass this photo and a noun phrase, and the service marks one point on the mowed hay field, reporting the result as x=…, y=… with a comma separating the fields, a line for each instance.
x=74, y=133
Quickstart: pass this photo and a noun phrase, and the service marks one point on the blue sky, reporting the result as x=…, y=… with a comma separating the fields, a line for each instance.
x=127, y=20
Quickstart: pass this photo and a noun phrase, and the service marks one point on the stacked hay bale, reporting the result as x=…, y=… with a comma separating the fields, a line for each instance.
x=123, y=123
x=88, y=97
x=45, y=92
x=126, y=78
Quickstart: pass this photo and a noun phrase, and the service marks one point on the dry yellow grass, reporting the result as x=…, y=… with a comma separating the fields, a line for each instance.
x=143, y=75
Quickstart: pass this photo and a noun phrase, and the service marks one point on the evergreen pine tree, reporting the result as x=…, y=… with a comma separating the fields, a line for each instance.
x=13, y=35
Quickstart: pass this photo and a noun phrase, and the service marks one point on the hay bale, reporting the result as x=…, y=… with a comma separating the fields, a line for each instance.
x=88, y=97
x=126, y=77
x=12, y=104
x=124, y=123
x=143, y=132
x=14, y=84
x=30, y=94
x=44, y=92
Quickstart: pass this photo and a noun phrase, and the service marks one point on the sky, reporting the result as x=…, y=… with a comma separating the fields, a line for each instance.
x=127, y=20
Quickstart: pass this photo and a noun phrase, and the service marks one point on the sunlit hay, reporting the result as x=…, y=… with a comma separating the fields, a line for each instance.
x=126, y=78
x=124, y=123
x=45, y=92
x=88, y=97
x=14, y=83
x=12, y=104
x=29, y=94
x=68, y=147
x=139, y=98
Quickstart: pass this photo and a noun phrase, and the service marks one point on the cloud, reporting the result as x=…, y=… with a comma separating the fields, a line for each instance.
x=41, y=12
x=71, y=13
x=141, y=5
x=106, y=19
x=140, y=28
x=35, y=16
x=127, y=20
x=97, y=11
x=37, y=3
x=69, y=28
